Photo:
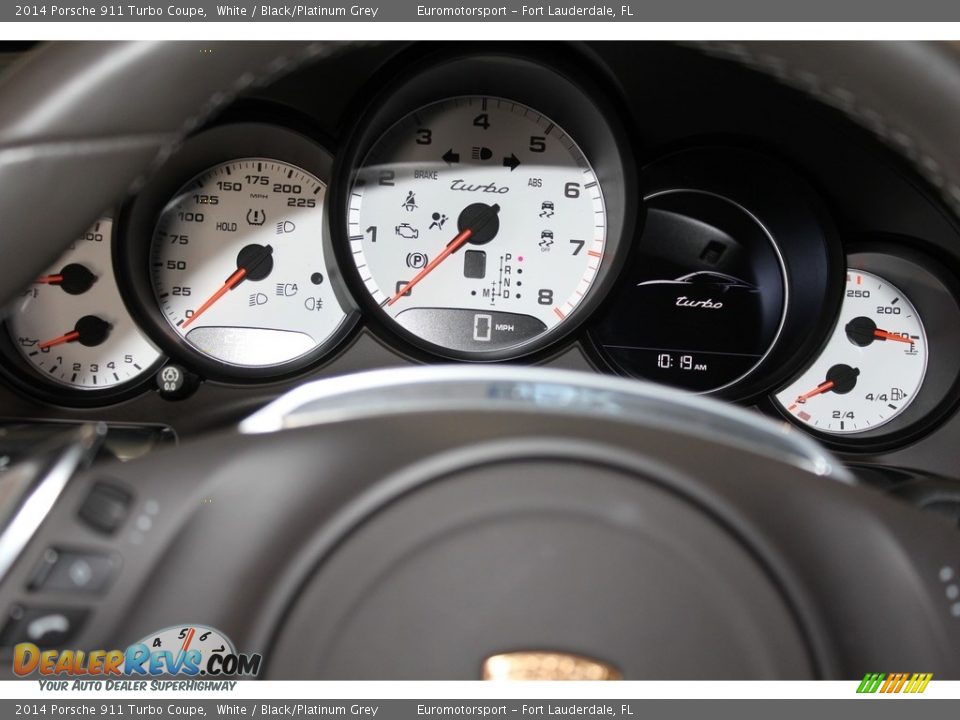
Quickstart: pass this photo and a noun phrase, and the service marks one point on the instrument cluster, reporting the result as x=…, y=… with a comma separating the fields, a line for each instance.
x=490, y=208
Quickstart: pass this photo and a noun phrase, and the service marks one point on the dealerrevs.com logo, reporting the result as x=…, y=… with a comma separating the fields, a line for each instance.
x=186, y=651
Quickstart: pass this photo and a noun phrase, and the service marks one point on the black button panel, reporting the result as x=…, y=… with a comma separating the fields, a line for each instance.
x=75, y=571
x=106, y=507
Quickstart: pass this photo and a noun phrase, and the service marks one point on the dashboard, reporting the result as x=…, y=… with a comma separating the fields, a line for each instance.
x=634, y=209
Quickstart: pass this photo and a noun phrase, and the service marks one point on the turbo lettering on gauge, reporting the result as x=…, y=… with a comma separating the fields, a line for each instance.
x=477, y=226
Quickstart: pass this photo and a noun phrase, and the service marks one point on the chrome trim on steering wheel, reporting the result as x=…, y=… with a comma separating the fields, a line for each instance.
x=453, y=388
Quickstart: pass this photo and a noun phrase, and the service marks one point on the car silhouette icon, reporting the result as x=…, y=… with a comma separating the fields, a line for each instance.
x=716, y=280
x=408, y=231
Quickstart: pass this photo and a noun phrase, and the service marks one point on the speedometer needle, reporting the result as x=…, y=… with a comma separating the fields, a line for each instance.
x=477, y=219
x=231, y=282
x=250, y=260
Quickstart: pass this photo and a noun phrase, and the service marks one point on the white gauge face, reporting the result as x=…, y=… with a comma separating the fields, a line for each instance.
x=238, y=264
x=72, y=326
x=871, y=368
x=477, y=225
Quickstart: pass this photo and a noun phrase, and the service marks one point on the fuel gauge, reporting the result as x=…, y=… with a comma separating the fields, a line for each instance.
x=872, y=367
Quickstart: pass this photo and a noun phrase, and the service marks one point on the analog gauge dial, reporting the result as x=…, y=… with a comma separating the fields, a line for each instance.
x=238, y=267
x=872, y=367
x=71, y=325
x=477, y=227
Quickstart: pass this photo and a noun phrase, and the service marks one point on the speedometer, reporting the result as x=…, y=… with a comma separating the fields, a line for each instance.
x=228, y=256
x=237, y=267
x=477, y=226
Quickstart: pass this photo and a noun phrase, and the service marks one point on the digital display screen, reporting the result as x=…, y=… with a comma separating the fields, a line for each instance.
x=701, y=302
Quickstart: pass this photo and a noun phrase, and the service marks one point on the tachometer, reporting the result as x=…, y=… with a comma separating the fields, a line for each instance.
x=71, y=326
x=477, y=225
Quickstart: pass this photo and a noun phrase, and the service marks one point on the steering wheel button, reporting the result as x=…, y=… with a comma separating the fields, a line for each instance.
x=44, y=627
x=105, y=508
x=70, y=571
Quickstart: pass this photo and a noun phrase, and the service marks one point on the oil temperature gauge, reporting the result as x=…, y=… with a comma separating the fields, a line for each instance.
x=872, y=367
x=72, y=328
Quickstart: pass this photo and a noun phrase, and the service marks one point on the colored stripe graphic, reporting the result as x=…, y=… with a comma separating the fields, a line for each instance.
x=913, y=683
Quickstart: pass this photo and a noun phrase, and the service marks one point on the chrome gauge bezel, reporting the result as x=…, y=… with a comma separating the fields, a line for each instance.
x=23, y=377
x=582, y=113
x=201, y=152
x=934, y=293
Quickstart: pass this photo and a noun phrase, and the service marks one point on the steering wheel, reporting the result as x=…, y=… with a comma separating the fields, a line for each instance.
x=418, y=523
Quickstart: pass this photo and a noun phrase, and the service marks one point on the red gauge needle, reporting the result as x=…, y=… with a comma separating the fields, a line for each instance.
x=71, y=336
x=73, y=279
x=254, y=262
x=232, y=281
x=477, y=219
x=892, y=336
x=89, y=330
x=459, y=240
x=822, y=388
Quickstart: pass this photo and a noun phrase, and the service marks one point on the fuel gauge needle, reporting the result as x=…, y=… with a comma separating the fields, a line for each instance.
x=822, y=388
x=840, y=378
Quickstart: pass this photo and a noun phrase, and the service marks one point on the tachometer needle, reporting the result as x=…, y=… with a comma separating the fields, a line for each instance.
x=252, y=259
x=49, y=279
x=477, y=219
